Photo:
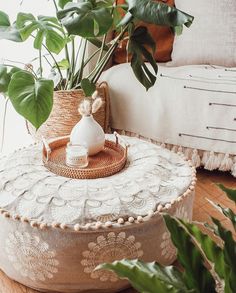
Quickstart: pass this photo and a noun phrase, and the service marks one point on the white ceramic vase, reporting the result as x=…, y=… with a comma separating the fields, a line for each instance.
x=89, y=133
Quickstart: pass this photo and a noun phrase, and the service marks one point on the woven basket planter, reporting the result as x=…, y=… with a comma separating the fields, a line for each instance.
x=65, y=114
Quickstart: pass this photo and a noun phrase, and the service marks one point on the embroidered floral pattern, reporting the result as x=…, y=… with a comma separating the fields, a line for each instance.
x=30, y=256
x=153, y=176
x=108, y=249
x=168, y=250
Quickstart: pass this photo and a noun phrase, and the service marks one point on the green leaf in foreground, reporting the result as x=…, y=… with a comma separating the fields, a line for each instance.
x=142, y=48
x=31, y=98
x=213, y=252
x=229, y=251
x=196, y=275
x=148, y=277
x=231, y=193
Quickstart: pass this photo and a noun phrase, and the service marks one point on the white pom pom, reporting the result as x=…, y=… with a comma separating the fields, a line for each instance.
x=96, y=105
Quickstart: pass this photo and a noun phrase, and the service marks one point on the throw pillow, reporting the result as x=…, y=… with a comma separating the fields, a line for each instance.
x=212, y=37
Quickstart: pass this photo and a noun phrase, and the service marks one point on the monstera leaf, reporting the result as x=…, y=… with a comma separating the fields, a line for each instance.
x=32, y=98
x=46, y=28
x=87, y=18
x=5, y=77
x=8, y=31
x=159, y=13
x=148, y=277
x=141, y=48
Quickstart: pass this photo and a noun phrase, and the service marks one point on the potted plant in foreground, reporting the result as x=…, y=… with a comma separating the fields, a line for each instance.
x=77, y=24
x=207, y=266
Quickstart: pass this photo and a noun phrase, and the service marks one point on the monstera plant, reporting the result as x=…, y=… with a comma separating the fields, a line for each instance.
x=206, y=266
x=75, y=25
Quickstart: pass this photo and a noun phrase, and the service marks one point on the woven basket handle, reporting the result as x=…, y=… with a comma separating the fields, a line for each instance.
x=47, y=148
x=120, y=138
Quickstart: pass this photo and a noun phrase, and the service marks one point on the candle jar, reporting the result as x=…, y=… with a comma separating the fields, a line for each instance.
x=76, y=156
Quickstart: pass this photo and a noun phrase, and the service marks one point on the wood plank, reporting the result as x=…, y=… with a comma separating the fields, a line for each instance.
x=206, y=188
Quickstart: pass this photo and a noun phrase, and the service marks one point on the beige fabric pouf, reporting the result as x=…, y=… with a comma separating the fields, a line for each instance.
x=54, y=231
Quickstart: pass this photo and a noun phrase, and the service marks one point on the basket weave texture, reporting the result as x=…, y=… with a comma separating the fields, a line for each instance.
x=64, y=115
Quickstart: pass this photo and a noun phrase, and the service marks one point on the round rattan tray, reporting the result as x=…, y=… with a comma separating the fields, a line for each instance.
x=106, y=163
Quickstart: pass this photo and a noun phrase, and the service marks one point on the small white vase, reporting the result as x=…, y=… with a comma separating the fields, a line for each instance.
x=89, y=133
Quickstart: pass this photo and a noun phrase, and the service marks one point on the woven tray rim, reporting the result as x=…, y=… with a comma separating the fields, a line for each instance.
x=84, y=173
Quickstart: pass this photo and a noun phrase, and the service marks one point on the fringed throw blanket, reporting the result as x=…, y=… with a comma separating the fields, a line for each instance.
x=190, y=109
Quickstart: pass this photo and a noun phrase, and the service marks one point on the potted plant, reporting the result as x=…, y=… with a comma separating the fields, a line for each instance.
x=75, y=26
x=207, y=263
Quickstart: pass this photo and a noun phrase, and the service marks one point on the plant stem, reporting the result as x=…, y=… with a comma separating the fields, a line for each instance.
x=55, y=4
x=81, y=70
x=40, y=63
x=72, y=64
x=55, y=61
x=4, y=124
x=102, y=48
x=86, y=62
x=99, y=69
x=67, y=55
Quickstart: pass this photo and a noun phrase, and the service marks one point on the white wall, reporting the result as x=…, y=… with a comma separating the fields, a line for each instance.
x=16, y=134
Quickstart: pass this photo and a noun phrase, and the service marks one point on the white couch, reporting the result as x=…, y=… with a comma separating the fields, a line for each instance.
x=191, y=109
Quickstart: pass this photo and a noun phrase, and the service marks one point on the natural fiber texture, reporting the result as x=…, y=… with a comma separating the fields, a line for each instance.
x=65, y=114
x=106, y=163
x=58, y=230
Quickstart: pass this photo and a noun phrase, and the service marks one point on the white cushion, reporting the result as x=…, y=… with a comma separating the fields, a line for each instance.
x=212, y=37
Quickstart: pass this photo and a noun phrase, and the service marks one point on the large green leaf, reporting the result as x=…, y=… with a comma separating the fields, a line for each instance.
x=225, y=211
x=213, y=252
x=159, y=13
x=142, y=47
x=148, y=277
x=229, y=251
x=8, y=31
x=31, y=98
x=86, y=18
x=196, y=275
x=4, y=79
x=45, y=27
x=231, y=193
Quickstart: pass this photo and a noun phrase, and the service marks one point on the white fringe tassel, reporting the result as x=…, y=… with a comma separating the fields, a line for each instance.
x=210, y=160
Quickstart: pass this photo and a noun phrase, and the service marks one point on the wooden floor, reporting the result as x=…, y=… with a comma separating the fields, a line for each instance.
x=202, y=209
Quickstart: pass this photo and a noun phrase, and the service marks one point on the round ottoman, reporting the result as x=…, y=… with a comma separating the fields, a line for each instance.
x=54, y=231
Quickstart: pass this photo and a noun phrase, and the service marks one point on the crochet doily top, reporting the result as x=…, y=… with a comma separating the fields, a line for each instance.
x=152, y=176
